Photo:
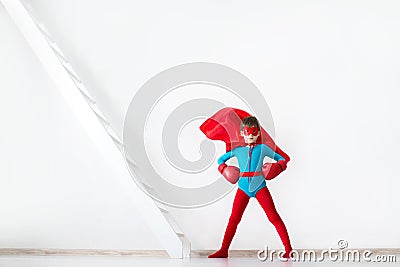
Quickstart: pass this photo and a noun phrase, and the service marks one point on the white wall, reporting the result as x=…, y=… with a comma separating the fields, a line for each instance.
x=56, y=191
x=329, y=71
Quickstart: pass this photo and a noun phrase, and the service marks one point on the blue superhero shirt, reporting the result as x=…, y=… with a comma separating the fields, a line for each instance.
x=250, y=159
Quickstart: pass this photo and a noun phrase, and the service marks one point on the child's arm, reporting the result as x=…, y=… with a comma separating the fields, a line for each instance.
x=271, y=170
x=267, y=151
x=231, y=173
x=225, y=157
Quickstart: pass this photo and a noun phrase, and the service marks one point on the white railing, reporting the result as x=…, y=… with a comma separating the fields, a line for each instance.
x=157, y=216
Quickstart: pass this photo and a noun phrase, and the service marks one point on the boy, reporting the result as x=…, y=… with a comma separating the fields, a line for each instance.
x=251, y=182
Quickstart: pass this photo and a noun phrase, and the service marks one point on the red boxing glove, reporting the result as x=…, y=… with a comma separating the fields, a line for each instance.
x=282, y=164
x=221, y=167
x=231, y=173
x=271, y=170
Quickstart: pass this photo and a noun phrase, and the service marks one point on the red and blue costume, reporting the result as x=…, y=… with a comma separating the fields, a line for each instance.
x=250, y=159
x=225, y=126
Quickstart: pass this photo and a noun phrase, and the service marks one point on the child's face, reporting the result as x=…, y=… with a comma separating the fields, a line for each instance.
x=250, y=134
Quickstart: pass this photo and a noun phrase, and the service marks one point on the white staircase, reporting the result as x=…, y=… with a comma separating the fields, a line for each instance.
x=95, y=123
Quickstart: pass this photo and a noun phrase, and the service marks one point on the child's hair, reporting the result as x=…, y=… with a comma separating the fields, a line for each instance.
x=250, y=121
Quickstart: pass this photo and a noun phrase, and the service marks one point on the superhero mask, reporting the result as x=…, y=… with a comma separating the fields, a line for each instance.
x=250, y=134
x=250, y=130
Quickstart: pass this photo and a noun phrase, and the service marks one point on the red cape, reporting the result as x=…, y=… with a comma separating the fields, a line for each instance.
x=225, y=126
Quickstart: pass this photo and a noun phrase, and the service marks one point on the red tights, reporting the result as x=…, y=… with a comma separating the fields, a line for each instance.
x=239, y=205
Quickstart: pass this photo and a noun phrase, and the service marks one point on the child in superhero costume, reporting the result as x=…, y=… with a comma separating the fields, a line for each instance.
x=249, y=145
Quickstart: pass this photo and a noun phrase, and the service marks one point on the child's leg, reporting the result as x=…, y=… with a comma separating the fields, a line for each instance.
x=239, y=205
x=265, y=199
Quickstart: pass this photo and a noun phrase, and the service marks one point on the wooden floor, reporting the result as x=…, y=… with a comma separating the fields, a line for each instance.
x=133, y=261
x=132, y=258
x=146, y=253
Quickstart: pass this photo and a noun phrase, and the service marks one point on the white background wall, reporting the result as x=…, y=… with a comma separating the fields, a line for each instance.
x=329, y=71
